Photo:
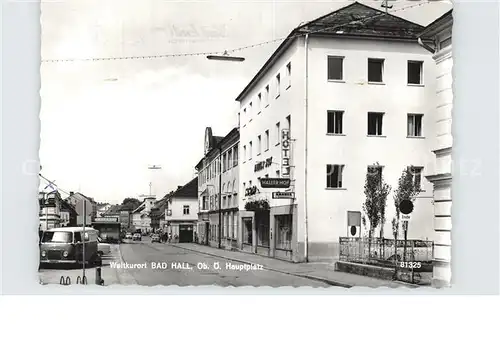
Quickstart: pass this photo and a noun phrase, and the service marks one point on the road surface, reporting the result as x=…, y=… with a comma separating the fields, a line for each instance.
x=151, y=264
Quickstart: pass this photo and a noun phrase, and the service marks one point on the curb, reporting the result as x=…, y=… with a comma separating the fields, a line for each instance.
x=310, y=277
x=124, y=277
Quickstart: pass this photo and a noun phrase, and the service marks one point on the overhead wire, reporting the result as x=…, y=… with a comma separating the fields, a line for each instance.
x=161, y=56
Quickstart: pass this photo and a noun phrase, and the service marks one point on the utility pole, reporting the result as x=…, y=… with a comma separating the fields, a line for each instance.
x=83, y=236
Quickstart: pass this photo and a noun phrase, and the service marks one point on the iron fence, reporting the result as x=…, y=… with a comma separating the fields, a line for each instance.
x=385, y=252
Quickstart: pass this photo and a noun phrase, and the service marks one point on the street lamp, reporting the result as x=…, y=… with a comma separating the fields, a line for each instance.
x=225, y=57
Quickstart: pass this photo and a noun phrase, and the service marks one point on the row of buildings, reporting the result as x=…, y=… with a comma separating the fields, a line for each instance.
x=354, y=91
x=58, y=212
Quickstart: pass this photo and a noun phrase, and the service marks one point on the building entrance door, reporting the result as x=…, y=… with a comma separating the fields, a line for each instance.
x=185, y=233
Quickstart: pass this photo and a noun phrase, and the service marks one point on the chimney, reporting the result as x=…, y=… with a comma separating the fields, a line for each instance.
x=179, y=186
x=71, y=193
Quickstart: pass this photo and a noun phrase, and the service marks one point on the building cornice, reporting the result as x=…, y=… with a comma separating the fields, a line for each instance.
x=439, y=178
x=442, y=55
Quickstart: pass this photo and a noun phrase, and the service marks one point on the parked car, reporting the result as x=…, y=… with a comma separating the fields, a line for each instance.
x=129, y=236
x=137, y=237
x=155, y=238
x=102, y=247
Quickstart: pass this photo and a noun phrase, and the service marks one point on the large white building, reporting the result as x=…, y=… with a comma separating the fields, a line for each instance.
x=441, y=175
x=181, y=211
x=335, y=98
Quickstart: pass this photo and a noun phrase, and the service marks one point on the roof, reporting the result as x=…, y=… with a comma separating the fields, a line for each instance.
x=190, y=190
x=434, y=26
x=353, y=21
x=66, y=205
x=114, y=209
x=221, y=140
x=140, y=207
x=85, y=197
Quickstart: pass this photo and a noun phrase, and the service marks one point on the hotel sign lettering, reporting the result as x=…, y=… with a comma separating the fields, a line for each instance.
x=285, y=153
x=275, y=182
x=263, y=164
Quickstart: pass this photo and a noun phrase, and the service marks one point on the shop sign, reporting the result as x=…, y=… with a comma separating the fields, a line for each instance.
x=285, y=153
x=263, y=164
x=283, y=195
x=106, y=219
x=275, y=182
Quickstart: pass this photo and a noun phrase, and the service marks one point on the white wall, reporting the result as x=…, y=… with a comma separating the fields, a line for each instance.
x=177, y=206
x=395, y=151
x=327, y=209
x=251, y=125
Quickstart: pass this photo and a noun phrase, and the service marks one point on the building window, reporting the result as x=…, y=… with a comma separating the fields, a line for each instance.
x=278, y=135
x=415, y=72
x=204, y=203
x=250, y=111
x=335, y=68
x=259, y=103
x=414, y=125
x=266, y=96
x=185, y=209
x=334, y=176
x=375, y=171
x=416, y=173
x=375, y=70
x=250, y=150
x=288, y=74
x=235, y=156
x=230, y=159
x=334, y=123
x=375, y=123
x=278, y=82
x=244, y=152
x=224, y=162
x=259, y=142
x=245, y=114
x=266, y=140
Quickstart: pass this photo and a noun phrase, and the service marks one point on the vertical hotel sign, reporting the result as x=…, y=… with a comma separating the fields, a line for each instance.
x=285, y=153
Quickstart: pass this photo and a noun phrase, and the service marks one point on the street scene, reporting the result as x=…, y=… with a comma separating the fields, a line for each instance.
x=314, y=151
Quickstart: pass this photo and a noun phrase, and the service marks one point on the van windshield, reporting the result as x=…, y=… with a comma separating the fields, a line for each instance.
x=57, y=237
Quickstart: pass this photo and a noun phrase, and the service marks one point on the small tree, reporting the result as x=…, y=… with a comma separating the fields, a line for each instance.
x=376, y=192
x=406, y=190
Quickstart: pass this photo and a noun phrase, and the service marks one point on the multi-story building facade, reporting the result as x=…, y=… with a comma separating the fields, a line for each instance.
x=441, y=175
x=82, y=204
x=141, y=215
x=181, y=212
x=218, y=184
x=55, y=212
x=346, y=94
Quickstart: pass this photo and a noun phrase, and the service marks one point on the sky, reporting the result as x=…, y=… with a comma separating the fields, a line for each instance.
x=103, y=123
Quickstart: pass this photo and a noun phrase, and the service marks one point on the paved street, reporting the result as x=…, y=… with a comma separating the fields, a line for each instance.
x=202, y=269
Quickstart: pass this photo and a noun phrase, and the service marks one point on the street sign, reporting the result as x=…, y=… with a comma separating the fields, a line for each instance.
x=283, y=195
x=275, y=182
x=406, y=207
x=404, y=217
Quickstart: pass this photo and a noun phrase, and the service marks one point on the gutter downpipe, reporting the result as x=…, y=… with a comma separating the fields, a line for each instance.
x=220, y=196
x=306, y=115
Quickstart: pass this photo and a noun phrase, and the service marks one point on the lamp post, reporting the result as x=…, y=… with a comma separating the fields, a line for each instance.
x=225, y=57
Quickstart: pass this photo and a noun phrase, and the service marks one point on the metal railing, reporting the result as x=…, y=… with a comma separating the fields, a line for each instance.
x=384, y=252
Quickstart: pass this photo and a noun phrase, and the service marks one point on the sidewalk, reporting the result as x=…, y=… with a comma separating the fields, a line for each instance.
x=315, y=270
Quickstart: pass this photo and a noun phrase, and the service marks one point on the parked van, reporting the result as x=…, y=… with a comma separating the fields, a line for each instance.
x=64, y=245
